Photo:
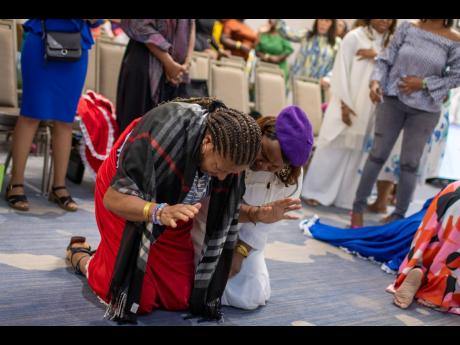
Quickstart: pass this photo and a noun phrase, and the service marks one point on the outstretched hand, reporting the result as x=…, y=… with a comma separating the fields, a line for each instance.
x=278, y=210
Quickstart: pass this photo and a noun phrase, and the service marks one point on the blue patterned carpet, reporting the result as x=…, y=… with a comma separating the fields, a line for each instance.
x=312, y=282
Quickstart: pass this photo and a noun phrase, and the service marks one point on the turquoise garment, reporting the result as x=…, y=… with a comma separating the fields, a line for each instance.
x=316, y=55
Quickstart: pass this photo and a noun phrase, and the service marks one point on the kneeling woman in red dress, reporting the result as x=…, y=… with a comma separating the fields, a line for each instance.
x=147, y=193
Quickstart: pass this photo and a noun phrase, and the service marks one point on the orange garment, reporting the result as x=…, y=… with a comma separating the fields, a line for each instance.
x=238, y=31
x=436, y=250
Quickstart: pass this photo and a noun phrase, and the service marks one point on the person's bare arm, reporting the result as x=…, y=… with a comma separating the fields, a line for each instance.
x=191, y=46
x=128, y=207
x=173, y=70
x=131, y=208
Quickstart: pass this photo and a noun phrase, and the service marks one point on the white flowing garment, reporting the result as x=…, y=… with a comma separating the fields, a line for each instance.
x=334, y=173
x=250, y=288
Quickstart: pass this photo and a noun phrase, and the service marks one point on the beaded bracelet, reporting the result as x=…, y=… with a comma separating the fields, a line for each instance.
x=155, y=218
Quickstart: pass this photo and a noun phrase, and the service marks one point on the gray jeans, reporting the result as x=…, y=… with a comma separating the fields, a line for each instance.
x=393, y=116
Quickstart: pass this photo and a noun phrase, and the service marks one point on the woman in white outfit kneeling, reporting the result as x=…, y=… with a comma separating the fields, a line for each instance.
x=273, y=186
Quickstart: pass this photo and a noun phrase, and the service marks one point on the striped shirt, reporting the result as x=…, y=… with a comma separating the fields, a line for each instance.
x=416, y=52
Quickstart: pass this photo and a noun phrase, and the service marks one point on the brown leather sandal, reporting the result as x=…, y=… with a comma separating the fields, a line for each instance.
x=12, y=200
x=71, y=251
x=62, y=201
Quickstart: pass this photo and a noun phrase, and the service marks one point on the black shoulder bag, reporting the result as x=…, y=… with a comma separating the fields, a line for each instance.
x=61, y=46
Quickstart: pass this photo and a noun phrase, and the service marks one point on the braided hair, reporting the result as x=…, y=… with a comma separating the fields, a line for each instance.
x=234, y=134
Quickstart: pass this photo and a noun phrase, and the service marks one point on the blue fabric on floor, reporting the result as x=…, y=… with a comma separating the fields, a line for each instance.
x=387, y=243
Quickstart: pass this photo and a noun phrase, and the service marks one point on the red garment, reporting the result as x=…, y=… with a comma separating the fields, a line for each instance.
x=99, y=127
x=168, y=279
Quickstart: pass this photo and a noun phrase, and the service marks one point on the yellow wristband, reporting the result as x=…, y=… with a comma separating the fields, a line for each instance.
x=242, y=250
x=146, y=211
x=238, y=44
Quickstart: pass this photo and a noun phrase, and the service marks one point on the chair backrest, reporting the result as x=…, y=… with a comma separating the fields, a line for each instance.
x=264, y=64
x=8, y=53
x=199, y=69
x=270, y=95
x=90, y=81
x=238, y=60
x=109, y=56
x=306, y=94
x=229, y=83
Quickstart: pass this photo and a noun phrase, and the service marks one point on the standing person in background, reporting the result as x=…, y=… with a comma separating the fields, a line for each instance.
x=358, y=22
x=273, y=48
x=238, y=37
x=205, y=40
x=409, y=83
x=51, y=91
x=333, y=175
x=342, y=28
x=318, y=48
x=155, y=65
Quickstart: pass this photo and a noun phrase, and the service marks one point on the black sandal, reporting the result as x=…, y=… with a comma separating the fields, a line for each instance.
x=62, y=201
x=12, y=200
x=73, y=251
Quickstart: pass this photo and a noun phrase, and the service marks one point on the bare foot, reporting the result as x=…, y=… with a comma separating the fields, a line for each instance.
x=356, y=220
x=404, y=295
x=377, y=208
x=312, y=202
x=391, y=218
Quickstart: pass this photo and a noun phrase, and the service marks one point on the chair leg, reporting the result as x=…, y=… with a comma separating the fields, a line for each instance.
x=8, y=160
x=46, y=161
x=50, y=177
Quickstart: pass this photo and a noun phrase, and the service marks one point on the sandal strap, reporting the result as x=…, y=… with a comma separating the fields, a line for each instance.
x=79, y=250
x=14, y=199
x=65, y=200
x=58, y=188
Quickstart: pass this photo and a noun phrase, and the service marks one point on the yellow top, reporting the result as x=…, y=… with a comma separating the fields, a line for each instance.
x=217, y=32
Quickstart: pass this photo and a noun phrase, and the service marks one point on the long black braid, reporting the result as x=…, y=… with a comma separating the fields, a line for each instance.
x=235, y=135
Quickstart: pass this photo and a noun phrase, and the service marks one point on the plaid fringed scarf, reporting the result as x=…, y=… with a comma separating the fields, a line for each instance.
x=158, y=162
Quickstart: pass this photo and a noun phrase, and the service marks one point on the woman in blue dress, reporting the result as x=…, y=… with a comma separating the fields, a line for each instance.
x=51, y=91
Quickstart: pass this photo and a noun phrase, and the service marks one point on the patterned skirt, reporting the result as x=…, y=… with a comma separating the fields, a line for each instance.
x=436, y=250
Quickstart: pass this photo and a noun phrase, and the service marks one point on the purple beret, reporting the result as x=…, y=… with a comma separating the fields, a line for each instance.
x=295, y=135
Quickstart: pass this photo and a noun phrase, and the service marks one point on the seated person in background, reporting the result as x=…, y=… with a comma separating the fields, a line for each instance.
x=273, y=48
x=273, y=181
x=238, y=37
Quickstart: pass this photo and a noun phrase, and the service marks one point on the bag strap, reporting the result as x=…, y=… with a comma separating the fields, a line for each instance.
x=43, y=28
